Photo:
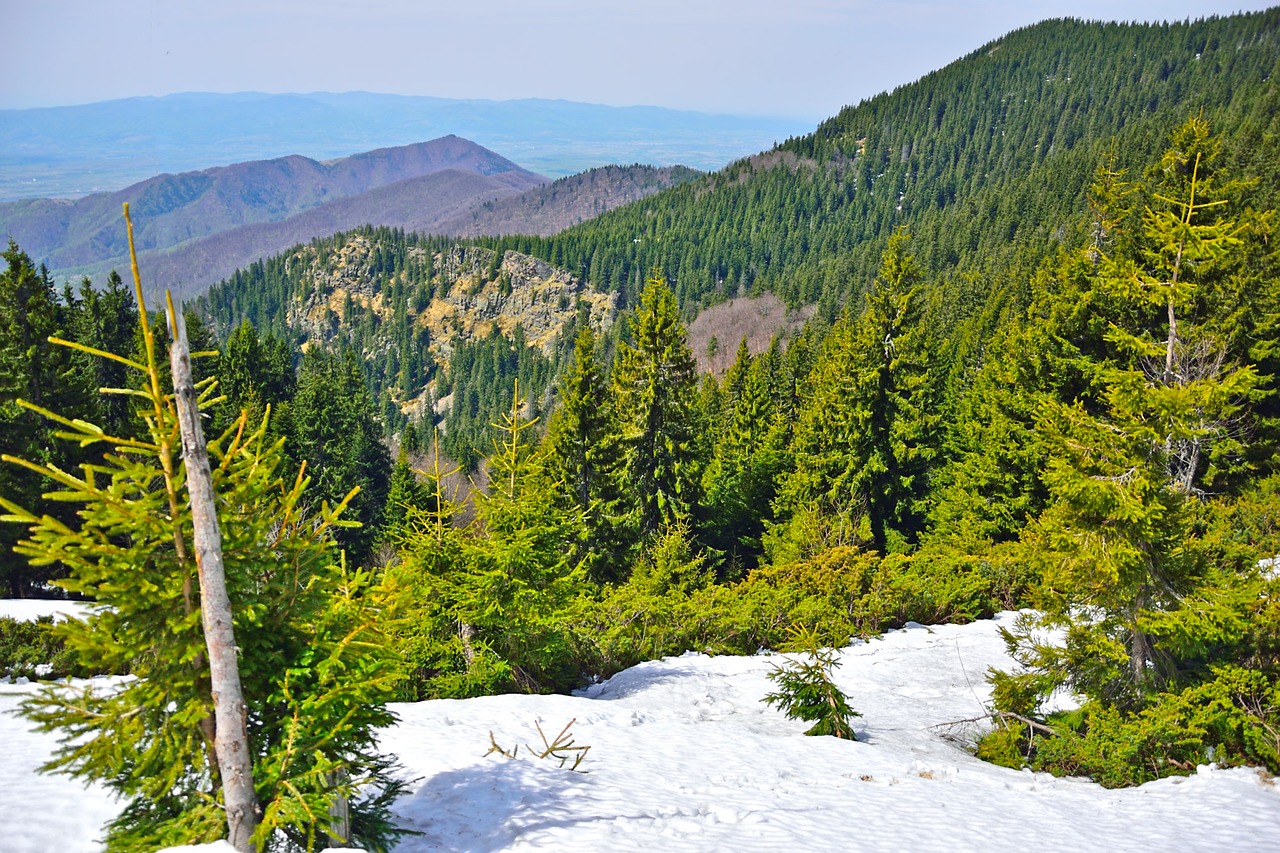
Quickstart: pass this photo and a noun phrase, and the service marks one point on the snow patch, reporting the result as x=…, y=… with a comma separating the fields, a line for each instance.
x=686, y=757
x=31, y=609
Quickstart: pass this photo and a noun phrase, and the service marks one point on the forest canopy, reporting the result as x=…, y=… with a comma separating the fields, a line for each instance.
x=1041, y=374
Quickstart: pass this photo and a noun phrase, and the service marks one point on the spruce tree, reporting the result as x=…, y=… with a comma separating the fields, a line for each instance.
x=105, y=320
x=584, y=456
x=749, y=460
x=253, y=373
x=334, y=431
x=1127, y=469
x=867, y=434
x=480, y=608
x=45, y=375
x=407, y=499
x=656, y=388
x=314, y=673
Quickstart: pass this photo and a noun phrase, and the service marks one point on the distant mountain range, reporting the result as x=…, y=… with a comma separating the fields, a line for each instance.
x=550, y=209
x=73, y=151
x=195, y=228
x=452, y=202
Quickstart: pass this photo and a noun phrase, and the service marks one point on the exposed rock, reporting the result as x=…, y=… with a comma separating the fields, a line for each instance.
x=473, y=295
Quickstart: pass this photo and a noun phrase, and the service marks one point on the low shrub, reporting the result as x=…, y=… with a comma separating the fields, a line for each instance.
x=1232, y=720
x=34, y=650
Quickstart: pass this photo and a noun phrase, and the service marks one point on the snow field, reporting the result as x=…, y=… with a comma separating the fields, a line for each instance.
x=30, y=609
x=686, y=757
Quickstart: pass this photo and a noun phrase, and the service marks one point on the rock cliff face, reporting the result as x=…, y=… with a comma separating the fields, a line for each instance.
x=472, y=293
x=526, y=291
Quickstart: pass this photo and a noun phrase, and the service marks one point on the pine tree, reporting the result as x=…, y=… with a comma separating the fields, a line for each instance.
x=334, y=431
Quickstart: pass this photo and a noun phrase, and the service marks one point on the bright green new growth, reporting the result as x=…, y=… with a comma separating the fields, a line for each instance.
x=480, y=608
x=313, y=667
x=806, y=691
x=1167, y=625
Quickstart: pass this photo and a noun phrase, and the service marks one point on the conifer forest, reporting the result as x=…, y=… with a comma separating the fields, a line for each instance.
x=1039, y=371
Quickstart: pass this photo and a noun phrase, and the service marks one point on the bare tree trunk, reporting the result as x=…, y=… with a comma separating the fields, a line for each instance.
x=232, y=740
x=339, y=811
x=1140, y=646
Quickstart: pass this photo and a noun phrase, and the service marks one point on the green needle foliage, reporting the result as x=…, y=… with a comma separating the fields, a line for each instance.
x=1170, y=642
x=315, y=675
x=584, y=457
x=806, y=691
x=655, y=387
x=480, y=608
x=867, y=435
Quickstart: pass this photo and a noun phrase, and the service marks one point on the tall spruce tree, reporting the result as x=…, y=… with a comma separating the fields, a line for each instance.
x=867, y=434
x=253, y=373
x=1127, y=470
x=584, y=456
x=105, y=320
x=656, y=388
x=407, y=498
x=741, y=480
x=335, y=432
x=314, y=673
x=35, y=370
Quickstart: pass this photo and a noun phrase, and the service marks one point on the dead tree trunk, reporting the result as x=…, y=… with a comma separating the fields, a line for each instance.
x=232, y=740
x=339, y=810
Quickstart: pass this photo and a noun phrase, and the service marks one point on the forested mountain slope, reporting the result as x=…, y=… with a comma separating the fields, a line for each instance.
x=1057, y=393
x=430, y=319
x=992, y=152
x=984, y=163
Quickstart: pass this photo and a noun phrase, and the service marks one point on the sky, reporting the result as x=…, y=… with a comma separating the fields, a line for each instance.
x=786, y=58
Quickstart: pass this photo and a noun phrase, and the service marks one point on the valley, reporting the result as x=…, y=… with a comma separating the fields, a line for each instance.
x=695, y=454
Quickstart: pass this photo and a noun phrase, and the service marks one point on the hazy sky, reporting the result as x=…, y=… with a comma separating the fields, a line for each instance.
x=799, y=58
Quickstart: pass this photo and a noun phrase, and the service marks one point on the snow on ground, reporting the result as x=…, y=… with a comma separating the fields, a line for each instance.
x=30, y=609
x=685, y=756
x=41, y=813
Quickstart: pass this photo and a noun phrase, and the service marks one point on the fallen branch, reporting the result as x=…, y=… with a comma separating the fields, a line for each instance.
x=562, y=748
x=1003, y=715
x=1029, y=723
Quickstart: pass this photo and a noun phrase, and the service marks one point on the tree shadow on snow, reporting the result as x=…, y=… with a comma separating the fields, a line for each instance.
x=488, y=806
x=629, y=682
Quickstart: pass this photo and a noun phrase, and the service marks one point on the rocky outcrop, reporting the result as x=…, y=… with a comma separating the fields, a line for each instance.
x=526, y=291
x=475, y=292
